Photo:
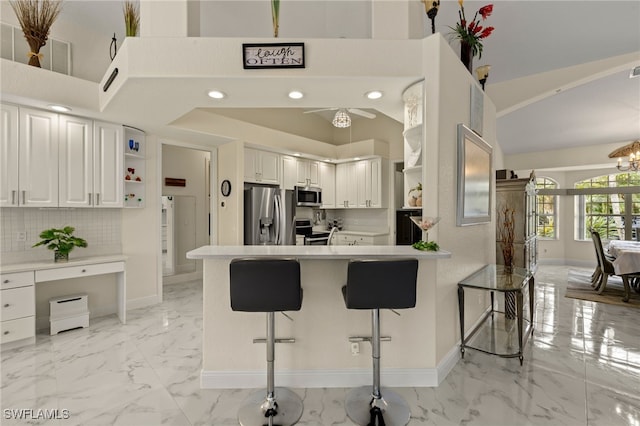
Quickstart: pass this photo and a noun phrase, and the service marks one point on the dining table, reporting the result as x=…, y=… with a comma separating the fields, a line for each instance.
x=626, y=263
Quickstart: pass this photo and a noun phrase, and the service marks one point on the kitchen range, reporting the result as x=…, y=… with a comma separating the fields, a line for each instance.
x=311, y=237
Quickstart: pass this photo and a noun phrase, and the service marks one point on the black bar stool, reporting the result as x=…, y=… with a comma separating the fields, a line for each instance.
x=375, y=285
x=267, y=285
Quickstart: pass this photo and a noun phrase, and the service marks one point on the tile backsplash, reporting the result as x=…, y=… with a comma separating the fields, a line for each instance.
x=101, y=228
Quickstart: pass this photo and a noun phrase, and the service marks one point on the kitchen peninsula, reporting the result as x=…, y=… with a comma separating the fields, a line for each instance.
x=322, y=355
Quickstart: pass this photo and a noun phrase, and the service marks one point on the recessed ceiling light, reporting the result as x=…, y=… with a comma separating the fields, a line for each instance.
x=59, y=108
x=296, y=94
x=356, y=158
x=297, y=154
x=216, y=94
x=374, y=94
x=635, y=72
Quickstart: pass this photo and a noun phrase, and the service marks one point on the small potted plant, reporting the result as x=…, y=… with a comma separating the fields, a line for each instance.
x=61, y=241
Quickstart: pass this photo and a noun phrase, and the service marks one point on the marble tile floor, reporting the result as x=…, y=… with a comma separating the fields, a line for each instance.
x=582, y=367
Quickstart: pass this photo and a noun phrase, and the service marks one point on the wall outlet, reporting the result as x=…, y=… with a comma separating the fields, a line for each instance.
x=355, y=348
x=21, y=236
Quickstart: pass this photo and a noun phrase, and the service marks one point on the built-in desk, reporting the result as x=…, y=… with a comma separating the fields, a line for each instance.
x=18, y=286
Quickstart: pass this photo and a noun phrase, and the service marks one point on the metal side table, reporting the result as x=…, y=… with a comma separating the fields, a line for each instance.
x=494, y=332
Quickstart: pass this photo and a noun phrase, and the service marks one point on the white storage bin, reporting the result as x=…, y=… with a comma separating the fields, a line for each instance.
x=68, y=312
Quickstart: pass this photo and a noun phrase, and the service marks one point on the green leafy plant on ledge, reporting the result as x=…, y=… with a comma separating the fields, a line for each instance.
x=61, y=241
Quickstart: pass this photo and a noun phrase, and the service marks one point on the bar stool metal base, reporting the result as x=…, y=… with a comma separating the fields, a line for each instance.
x=395, y=409
x=289, y=409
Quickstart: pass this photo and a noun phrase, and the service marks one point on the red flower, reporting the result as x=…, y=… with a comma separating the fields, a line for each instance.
x=486, y=11
x=486, y=32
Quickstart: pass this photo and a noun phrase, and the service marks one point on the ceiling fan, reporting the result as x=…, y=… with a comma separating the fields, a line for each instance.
x=342, y=118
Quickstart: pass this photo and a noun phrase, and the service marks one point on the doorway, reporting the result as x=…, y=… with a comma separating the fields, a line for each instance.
x=186, y=210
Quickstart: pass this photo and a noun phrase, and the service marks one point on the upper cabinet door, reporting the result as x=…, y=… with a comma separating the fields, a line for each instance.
x=328, y=181
x=251, y=173
x=8, y=156
x=108, y=168
x=76, y=162
x=269, y=167
x=288, y=172
x=38, y=158
x=375, y=173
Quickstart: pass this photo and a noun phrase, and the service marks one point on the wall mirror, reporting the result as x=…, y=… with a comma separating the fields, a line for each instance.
x=474, y=178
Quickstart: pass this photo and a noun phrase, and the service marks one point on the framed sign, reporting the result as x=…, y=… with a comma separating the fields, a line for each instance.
x=474, y=178
x=272, y=55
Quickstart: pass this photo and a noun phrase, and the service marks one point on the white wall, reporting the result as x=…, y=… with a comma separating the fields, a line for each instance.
x=448, y=87
x=230, y=214
x=141, y=237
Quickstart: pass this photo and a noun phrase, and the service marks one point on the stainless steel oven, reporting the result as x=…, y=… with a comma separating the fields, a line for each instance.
x=317, y=239
x=308, y=196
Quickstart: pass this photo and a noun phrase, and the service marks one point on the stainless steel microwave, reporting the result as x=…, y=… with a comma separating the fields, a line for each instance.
x=308, y=196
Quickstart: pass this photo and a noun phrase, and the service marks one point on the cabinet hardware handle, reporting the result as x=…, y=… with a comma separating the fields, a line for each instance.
x=84, y=270
x=6, y=332
x=13, y=197
x=89, y=198
x=97, y=198
x=5, y=281
x=24, y=197
x=6, y=305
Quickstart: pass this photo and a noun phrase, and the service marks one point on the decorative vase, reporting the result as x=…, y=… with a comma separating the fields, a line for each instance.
x=508, y=268
x=59, y=256
x=466, y=55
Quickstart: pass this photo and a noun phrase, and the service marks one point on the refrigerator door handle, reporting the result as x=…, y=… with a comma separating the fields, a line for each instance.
x=278, y=218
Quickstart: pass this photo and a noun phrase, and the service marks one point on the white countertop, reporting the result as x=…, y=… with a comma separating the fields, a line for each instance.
x=50, y=264
x=315, y=252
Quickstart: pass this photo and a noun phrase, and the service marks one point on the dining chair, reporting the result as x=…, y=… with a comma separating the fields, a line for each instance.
x=604, y=263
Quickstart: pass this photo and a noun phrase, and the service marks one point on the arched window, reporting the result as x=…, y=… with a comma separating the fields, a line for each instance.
x=547, y=209
x=611, y=205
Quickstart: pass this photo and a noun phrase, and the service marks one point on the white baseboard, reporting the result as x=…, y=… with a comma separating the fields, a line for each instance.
x=392, y=377
x=143, y=302
x=448, y=362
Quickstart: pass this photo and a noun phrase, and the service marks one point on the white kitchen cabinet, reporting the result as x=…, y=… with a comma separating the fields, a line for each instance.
x=8, y=155
x=90, y=163
x=346, y=190
x=38, y=158
x=108, y=164
x=76, y=162
x=289, y=171
x=307, y=172
x=261, y=166
x=328, y=185
x=359, y=184
x=348, y=239
x=17, y=311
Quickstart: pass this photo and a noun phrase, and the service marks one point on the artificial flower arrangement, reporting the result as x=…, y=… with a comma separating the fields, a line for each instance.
x=472, y=32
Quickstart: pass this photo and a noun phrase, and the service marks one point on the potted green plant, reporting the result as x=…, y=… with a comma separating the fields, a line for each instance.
x=61, y=241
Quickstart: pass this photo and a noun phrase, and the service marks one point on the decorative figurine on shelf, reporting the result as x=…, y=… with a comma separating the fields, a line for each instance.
x=415, y=196
x=138, y=179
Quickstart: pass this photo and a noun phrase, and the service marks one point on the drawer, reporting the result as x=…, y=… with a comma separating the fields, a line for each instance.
x=17, y=329
x=17, y=303
x=78, y=271
x=17, y=279
x=355, y=240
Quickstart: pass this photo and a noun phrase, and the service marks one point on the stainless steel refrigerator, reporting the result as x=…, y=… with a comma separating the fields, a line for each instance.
x=269, y=216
